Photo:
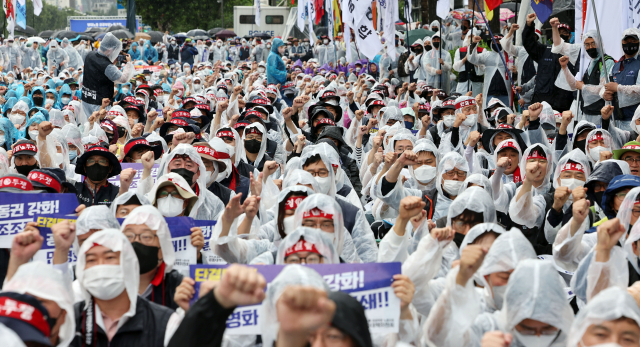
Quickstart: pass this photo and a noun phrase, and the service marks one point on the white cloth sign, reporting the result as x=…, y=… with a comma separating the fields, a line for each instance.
x=37, y=7
x=391, y=15
x=311, y=16
x=367, y=38
x=329, y=11
x=442, y=9
x=256, y=4
x=347, y=40
x=302, y=14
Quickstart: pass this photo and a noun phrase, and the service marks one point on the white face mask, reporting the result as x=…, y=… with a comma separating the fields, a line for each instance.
x=165, y=98
x=138, y=83
x=289, y=226
x=65, y=100
x=2, y=139
x=197, y=87
x=49, y=102
x=140, y=99
x=357, y=69
x=324, y=184
x=210, y=176
x=533, y=340
x=104, y=282
x=125, y=90
x=261, y=70
x=17, y=119
x=571, y=183
x=452, y=187
x=170, y=206
x=33, y=134
x=498, y=295
x=232, y=150
x=594, y=153
x=425, y=173
x=59, y=158
x=325, y=41
x=471, y=120
x=448, y=120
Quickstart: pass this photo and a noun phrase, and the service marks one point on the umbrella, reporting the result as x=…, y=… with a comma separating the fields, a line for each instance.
x=214, y=31
x=116, y=27
x=99, y=36
x=181, y=35
x=28, y=31
x=418, y=34
x=64, y=34
x=156, y=36
x=37, y=39
x=225, y=34
x=262, y=36
x=197, y=32
x=46, y=34
x=94, y=30
x=122, y=34
x=461, y=13
x=143, y=36
x=85, y=37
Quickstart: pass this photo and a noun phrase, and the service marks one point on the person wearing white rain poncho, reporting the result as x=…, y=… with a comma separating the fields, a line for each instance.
x=535, y=310
x=598, y=141
x=611, y=319
x=74, y=140
x=469, y=75
x=416, y=64
x=495, y=83
x=53, y=290
x=316, y=162
x=185, y=161
x=591, y=84
x=109, y=277
x=479, y=282
x=127, y=202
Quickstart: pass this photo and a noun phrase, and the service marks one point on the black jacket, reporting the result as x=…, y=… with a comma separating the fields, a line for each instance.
x=105, y=195
x=163, y=293
x=222, y=192
x=146, y=328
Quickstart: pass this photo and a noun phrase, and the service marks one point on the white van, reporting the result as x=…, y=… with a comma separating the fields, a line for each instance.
x=272, y=20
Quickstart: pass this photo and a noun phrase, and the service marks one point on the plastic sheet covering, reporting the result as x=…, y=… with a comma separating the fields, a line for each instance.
x=327, y=163
x=96, y=217
x=576, y=156
x=114, y=240
x=479, y=230
x=329, y=206
x=626, y=209
x=151, y=217
x=611, y=304
x=110, y=46
x=507, y=251
x=474, y=199
x=73, y=136
x=57, y=118
x=478, y=180
x=39, y=279
x=122, y=200
x=318, y=238
x=300, y=177
x=291, y=275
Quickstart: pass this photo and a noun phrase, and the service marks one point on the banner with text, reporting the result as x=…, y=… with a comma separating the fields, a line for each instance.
x=208, y=256
x=115, y=180
x=18, y=209
x=370, y=283
x=45, y=254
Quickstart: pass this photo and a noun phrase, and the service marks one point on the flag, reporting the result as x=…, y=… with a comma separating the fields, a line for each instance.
x=21, y=13
x=542, y=8
x=491, y=4
x=488, y=12
x=374, y=15
x=302, y=14
x=256, y=4
x=37, y=7
x=443, y=7
x=330, y=19
x=337, y=22
x=391, y=14
x=319, y=7
x=10, y=12
x=347, y=41
x=311, y=14
x=367, y=38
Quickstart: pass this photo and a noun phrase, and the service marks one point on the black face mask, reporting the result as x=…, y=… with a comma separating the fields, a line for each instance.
x=121, y=131
x=599, y=197
x=436, y=45
x=417, y=50
x=592, y=52
x=186, y=174
x=630, y=48
x=252, y=146
x=428, y=48
x=37, y=100
x=97, y=172
x=435, y=29
x=147, y=256
x=464, y=28
x=496, y=49
x=272, y=100
x=110, y=137
x=25, y=169
x=565, y=38
x=457, y=239
x=579, y=144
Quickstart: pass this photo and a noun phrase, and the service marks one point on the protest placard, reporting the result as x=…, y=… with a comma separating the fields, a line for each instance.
x=115, y=180
x=17, y=209
x=45, y=254
x=186, y=253
x=369, y=283
x=209, y=257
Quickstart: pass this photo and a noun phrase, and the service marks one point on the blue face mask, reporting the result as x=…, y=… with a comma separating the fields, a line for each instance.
x=73, y=155
x=408, y=125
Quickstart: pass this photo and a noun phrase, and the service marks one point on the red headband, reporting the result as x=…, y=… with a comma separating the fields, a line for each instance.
x=465, y=103
x=25, y=147
x=45, y=179
x=328, y=94
x=631, y=147
x=253, y=113
x=15, y=182
x=536, y=155
x=572, y=167
x=505, y=126
x=509, y=144
x=25, y=312
x=98, y=148
x=449, y=103
x=112, y=113
x=316, y=212
x=129, y=145
x=184, y=114
x=596, y=137
x=260, y=101
x=326, y=121
x=301, y=246
x=203, y=107
x=225, y=133
x=205, y=150
x=179, y=122
x=253, y=130
x=293, y=202
x=107, y=125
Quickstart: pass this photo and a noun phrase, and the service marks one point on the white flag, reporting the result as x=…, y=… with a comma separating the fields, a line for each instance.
x=302, y=14
x=367, y=38
x=347, y=41
x=391, y=15
x=407, y=12
x=354, y=10
x=328, y=9
x=256, y=4
x=37, y=7
x=311, y=16
x=442, y=9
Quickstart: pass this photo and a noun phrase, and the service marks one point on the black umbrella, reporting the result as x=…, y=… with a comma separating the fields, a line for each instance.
x=28, y=31
x=214, y=31
x=116, y=27
x=225, y=34
x=156, y=36
x=197, y=32
x=46, y=34
x=262, y=36
x=122, y=34
x=85, y=37
x=64, y=34
x=94, y=30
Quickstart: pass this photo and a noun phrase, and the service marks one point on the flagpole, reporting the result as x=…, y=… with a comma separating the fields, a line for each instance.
x=473, y=17
x=406, y=24
x=500, y=54
x=440, y=52
x=604, y=66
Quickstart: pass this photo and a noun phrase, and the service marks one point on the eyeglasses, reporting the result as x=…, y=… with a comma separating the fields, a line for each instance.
x=319, y=173
x=621, y=195
x=547, y=331
x=254, y=137
x=101, y=161
x=174, y=193
x=630, y=160
x=146, y=238
x=455, y=173
x=325, y=225
x=309, y=259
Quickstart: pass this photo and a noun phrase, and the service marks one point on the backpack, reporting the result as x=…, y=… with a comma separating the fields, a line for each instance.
x=401, y=60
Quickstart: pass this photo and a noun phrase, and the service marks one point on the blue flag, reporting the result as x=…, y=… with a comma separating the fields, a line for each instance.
x=542, y=8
